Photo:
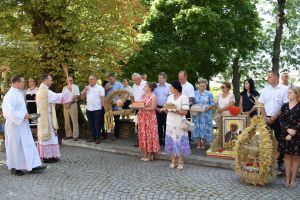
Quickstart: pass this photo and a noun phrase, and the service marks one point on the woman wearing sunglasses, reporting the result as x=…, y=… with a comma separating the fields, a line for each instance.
x=225, y=101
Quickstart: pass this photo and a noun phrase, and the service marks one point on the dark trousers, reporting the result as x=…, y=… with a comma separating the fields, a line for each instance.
x=277, y=131
x=117, y=126
x=95, y=125
x=126, y=104
x=188, y=116
x=161, y=123
x=103, y=131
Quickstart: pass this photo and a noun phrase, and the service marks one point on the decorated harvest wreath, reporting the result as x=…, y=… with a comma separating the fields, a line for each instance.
x=117, y=97
x=256, y=153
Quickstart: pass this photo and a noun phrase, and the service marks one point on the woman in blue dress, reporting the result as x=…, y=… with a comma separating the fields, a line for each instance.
x=202, y=117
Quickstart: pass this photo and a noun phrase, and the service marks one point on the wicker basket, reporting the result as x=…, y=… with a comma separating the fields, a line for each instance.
x=127, y=127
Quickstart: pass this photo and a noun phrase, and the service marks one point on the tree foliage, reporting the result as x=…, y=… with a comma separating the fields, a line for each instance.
x=199, y=36
x=86, y=36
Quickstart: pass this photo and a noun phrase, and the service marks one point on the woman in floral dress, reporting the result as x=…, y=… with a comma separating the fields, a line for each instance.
x=177, y=139
x=147, y=124
x=289, y=143
x=203, y=131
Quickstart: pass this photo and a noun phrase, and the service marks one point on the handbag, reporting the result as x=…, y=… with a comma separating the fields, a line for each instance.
x=185, y=124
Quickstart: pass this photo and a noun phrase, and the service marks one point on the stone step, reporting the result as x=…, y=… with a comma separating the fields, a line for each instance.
x=134, y=151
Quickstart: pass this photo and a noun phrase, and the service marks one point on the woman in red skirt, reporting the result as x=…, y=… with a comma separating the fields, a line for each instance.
x=147, y=124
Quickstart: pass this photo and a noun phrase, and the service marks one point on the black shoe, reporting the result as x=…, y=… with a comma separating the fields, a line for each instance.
x=281, y=168
x=54, y=160
x=38, y=169
x=67, y=138
x=75, y=139
x=92, y=140
x=47, y=160
x=17, y=172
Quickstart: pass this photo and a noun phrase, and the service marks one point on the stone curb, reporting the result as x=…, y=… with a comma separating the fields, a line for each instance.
x=133, y=151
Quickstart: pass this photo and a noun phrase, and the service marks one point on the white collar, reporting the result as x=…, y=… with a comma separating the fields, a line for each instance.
x=16, y=89
x=45, y=85
x=185, y=83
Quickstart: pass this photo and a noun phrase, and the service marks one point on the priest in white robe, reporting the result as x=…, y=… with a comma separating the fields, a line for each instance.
x=21, y=151
x=47, y=127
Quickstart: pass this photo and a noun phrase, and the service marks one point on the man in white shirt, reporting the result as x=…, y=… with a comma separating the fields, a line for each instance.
x=138, y=87
x=273, y=97
x=94, y=95
x=71, y=110
x=285, y=80
x=187, y=90
x=137, y=90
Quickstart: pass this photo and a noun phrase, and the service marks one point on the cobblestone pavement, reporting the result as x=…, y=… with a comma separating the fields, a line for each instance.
x=91, y=174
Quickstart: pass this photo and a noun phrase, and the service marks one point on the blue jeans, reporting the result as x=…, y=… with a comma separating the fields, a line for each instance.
x=95, y=125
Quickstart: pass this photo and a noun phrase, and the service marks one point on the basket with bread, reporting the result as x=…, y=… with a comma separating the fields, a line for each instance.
x=137, y=105
x=197, y=108
x=169, y=107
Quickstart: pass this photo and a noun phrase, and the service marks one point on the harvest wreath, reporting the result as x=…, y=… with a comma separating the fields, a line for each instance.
x=108, y=117
x=117, y=97
x=122, y=95
x=256, y=153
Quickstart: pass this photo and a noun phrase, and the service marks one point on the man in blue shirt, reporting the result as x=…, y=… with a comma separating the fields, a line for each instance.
x=162, y=92
x=112, y=85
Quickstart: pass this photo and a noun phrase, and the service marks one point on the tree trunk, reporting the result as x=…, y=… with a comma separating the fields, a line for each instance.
x=83, y=125
x=278, y=36
x=236, y=76
x=48, y=63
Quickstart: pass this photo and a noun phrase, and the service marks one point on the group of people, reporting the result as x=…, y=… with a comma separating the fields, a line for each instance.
x=156, y=126
x=21, y=151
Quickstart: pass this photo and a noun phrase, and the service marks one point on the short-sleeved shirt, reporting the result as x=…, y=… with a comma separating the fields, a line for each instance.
x=162, y=92
x=249, y=101
x=273, y=98
x=138, y=90
x=93, y=97
x=116, y=86
x=181, y=102
x=188, y=90
x=75, y=90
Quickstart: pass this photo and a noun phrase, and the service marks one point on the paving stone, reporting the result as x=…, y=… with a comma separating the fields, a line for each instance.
x=92, y=174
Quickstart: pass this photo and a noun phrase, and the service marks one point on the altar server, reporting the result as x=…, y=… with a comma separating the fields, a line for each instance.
x=21, y=151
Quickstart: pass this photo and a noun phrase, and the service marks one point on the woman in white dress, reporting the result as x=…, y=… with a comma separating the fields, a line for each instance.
x=225, y=101
x=177, y=139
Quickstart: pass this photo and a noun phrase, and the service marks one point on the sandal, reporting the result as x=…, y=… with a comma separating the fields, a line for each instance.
x=287, y=184
x=180, y=165
x=148, y=158
x=293, y=185
x=173, y=164
x=143, y=158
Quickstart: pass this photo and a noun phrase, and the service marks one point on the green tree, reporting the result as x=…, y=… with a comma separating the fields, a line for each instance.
x=44, y=36
x=201, y=37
